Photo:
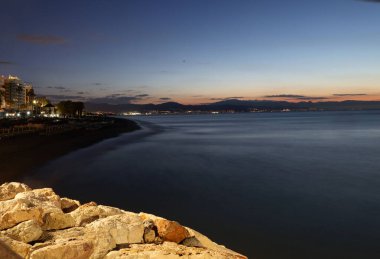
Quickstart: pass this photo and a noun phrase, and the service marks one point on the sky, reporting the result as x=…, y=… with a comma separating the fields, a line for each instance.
x=193, y=51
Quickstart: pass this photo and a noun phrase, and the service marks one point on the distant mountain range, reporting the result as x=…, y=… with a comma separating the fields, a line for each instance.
x=234, y=105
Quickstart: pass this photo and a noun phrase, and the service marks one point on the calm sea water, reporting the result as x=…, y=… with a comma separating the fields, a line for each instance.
x=273, y=185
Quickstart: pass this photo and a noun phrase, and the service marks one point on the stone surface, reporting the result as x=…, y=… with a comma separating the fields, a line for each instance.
x=90, y=212
x=7, y=252
x=45, y=196
x=167, y=250
x=9, y=190
x=57, y=220
x=26, y=231
x=19, y=248
x=66, y=249
x=52, y=236
x=125, y=228
x=15, y=211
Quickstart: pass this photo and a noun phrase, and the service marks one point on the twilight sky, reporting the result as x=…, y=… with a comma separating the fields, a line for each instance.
x=193, y=51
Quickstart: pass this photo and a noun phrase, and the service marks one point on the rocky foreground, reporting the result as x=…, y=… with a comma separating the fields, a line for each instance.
x=39, y=224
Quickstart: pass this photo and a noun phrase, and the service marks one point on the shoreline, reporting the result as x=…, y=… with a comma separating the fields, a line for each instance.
x=20, y=155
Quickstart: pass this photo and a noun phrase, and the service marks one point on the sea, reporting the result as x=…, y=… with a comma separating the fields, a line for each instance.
x=297, y=185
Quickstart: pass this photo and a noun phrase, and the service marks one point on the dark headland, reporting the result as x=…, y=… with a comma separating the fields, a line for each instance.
x=51, y=140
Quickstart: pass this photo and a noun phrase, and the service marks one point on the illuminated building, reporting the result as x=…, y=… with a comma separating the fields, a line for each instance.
x=17, y=95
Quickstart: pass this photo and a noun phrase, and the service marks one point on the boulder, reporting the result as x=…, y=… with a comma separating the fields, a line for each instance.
x=125, y=228
x=52, y=236
x=57, y=220
x=45, y=198
x=19, y=248
x=15, y=211
x=26, y=231
x=171, y=231
x=168, y=230
x=90, y=212
x=9, y=190
x=7, y=252
x=114, y=230
x=65, y=249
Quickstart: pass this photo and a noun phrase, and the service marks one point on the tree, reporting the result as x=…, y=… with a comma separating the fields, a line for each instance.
x=70, y=108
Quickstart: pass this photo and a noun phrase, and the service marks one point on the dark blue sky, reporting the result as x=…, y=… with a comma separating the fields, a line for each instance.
x=193, y=51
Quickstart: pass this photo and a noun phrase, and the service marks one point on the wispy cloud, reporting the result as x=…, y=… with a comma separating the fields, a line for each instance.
x=226, y=98
x=372, y=1
x=297, y=97
x=119, y=98
x=165, y=99
x=58, y=97
x=284, y=96
x=57, y=87
x=142, y=95
x=41, y=39
x=344, y=95
x=312, y=98
x=6, y=63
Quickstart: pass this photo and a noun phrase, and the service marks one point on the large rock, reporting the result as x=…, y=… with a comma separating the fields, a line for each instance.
x=26, y=231
x=57, y=220
x=168, y=230
x=167, y=250
x=65, y=249
x=7, y=252
x=9, y=190
x=15, y=211
x=90, y=212
x=19, y=248
x=52, y=236
x=45, y=198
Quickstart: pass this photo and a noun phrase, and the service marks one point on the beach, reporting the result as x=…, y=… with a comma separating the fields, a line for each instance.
x=21, y=155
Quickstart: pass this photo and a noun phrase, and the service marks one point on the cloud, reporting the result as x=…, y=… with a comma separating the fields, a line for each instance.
x=112, y=99
x=296, y=96
x=118, y=98
x=372, y=1
x=285, y=96
x=57, y=87
x=141, y=95
x=343, y=95
x=97, y=84
x=227, y=98
x=311, y=98
x=6, y=63
x=165, y=99
x=58, y=98
x=41, y=39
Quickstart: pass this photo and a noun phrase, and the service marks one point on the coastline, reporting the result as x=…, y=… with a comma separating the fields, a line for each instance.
x=16, y=162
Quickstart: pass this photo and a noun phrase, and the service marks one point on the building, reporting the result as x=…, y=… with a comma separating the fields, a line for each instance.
x=2, y=92
x=17, y=95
